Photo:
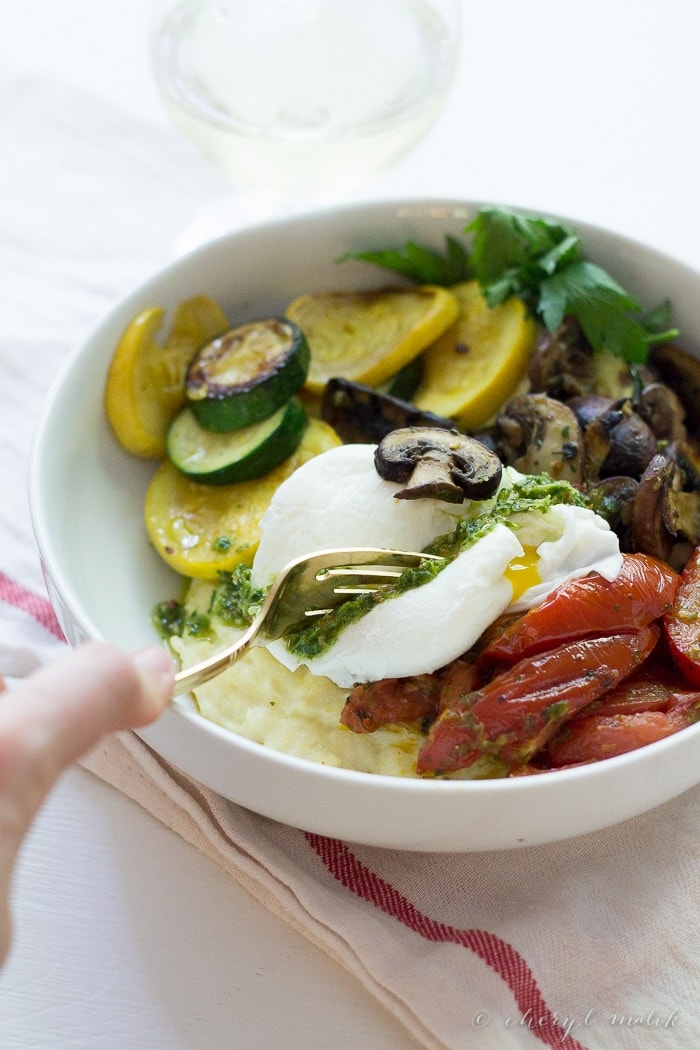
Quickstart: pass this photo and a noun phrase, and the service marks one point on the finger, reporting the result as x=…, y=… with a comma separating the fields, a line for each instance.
x=61, y=711
x=56, y=715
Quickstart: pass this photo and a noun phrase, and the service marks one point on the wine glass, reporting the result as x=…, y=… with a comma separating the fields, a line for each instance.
x=299, y=101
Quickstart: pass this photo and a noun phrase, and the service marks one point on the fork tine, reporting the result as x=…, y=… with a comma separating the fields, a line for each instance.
x=380, y=571
x=349, y=592
x=317, y=577
x=334, y=577
x=382, y=574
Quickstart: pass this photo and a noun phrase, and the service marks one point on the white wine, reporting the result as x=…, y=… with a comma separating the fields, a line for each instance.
x=304, y=95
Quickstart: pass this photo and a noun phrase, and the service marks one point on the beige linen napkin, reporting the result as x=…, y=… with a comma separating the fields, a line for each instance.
x=590, y=943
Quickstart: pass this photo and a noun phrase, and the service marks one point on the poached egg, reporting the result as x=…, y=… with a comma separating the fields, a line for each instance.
x=338, y=500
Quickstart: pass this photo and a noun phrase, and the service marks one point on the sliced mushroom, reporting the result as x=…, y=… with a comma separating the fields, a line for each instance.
x=649, y=533
x=438, y=464
x=613, y=498
x=681, y=371
x=588, y=407
x=361, y=415
x=666, y=518
x=680, y=500
x=680, y=513
x=562, y=362
x=536, y=434
x=564, y=365
x=687, y=456
x=662, y=410
x=618, y=442
x=597, y=444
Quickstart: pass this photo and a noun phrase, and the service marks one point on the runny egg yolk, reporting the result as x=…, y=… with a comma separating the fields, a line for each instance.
x=522, y=573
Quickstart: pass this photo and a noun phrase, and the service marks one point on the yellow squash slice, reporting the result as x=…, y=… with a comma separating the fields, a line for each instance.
x=146, y=380
x=369, y=336
x=200, y=530
x=478, y=362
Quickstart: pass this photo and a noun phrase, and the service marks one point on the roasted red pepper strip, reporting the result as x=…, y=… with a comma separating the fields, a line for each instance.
x=515, y=714
x=657, y=685
x=415, y=699
x=682, y=622
x=604, y=736
x=391, y=700
x=643, y=590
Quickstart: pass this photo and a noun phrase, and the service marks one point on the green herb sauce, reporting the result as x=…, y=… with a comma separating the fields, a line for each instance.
x=535, y=493
x=235, y=600
x=172, y=618
x=168, y=618
x=309, y=642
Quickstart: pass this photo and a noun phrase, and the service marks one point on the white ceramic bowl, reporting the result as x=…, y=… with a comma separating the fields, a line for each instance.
x=104, y=578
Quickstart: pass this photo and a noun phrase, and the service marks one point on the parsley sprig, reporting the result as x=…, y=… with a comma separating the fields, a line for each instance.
x=542, y=263
x=420, y=264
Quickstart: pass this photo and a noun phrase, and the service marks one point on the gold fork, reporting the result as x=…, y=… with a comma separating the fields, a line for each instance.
x=305, y=588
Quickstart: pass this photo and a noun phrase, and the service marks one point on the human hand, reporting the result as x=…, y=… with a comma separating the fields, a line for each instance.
x=58, y=714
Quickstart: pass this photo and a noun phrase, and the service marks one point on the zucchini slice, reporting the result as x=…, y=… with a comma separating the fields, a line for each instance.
x=246, y=374
x=201, y=530
x=240, y=455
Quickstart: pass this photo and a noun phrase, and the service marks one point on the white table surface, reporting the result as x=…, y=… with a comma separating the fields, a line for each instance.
x=127, y=937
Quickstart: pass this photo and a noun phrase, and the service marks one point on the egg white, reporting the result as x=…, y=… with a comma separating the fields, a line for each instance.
x=337, y=499
x=570, y=542
x=424, y=628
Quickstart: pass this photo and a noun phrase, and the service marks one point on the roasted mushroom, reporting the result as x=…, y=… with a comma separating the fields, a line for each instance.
x=438, y=464
x=663, y=412
x=564, y=365
x=589, y=407
x=681, y=371
x=359, y=414
x=649, y=534
x=680, y=502
x=562, y=362
x=613, y=498
x=536, y=433
x=618, y=442
x=666, y=516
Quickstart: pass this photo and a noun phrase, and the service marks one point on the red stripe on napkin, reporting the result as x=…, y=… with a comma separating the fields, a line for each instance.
x=40, y=608
x=497, y=953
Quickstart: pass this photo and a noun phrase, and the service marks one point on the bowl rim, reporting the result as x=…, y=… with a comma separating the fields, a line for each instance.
x=204, y=728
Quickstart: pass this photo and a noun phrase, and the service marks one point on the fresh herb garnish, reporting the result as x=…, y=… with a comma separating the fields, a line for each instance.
x=420, y=264
x=543, y=264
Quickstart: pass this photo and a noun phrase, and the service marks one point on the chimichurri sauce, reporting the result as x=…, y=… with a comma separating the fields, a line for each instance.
x=534, y=493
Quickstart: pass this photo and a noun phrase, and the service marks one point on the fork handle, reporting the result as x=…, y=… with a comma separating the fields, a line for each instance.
x=192, y=677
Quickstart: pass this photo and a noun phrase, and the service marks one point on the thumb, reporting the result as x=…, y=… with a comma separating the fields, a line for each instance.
x=57, y=714
x=64, y=708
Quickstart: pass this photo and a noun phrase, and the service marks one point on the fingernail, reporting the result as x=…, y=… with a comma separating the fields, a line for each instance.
x=158, y=667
